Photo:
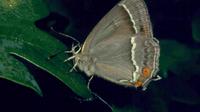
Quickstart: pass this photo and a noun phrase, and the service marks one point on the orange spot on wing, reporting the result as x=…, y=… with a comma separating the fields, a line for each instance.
x=138, y=84
x=146, y=71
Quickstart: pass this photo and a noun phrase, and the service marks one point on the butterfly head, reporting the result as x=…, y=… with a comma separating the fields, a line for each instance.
x=85, y=63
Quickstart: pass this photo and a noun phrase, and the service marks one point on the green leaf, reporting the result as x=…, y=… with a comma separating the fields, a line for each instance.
x=196, y=27
x=126, y=108
x=172, y=54
x=178, y=58
x=13, y=70
x=20, y=37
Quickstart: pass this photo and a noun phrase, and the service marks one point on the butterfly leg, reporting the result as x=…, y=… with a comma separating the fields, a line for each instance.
x=74, y=52
x=75, y=63
x=74, y=67
x=70, y=51
x=70, y=58
x=89, y=81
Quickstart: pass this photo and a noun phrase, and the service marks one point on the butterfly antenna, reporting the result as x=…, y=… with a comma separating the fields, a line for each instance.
x=68, y=36
x=65, y=35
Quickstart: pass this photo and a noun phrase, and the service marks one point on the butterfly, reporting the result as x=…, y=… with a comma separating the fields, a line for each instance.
x=121, y=48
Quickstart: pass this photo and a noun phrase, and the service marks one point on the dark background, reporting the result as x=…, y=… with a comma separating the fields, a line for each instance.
x=171, y=19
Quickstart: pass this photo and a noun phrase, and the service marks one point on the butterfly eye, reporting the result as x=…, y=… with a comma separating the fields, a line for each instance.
x=146, y=71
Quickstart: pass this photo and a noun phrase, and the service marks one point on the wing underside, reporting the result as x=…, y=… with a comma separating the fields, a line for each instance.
x=110, y=40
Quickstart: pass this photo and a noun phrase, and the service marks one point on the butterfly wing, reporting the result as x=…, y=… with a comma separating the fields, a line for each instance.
x=140, y=22
x=110, y=41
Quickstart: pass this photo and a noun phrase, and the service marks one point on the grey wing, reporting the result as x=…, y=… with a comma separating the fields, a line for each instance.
x=110, y=40
x=139, y=20
x=139, y=12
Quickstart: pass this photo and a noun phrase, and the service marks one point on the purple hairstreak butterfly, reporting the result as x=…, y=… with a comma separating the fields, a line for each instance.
x=121, y=47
